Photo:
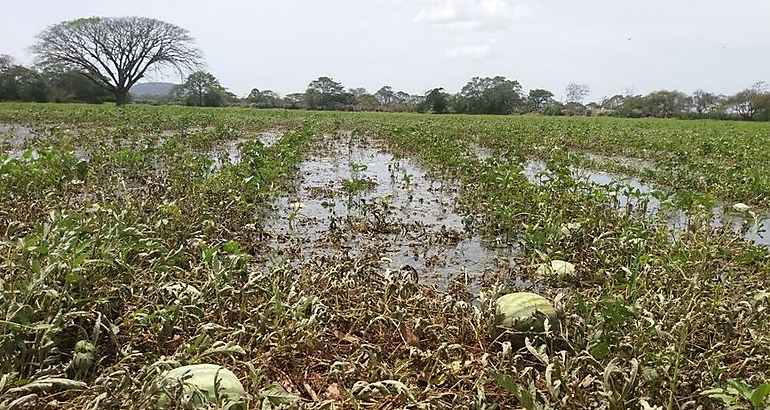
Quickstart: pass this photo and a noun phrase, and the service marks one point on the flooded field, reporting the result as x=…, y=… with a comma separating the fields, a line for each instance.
x=634, y=163
x=357, y=260
x=752, y=225
x=358, y=198
x=15, y=135
x=230, y=151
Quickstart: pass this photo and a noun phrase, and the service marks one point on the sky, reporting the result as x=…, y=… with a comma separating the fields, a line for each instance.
x=615, y=47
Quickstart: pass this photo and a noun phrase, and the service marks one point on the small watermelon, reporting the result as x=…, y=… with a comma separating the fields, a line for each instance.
x=741, y=207
x=198, y=386
x=559, y=268
x=523, y=312
x=84, y=346
x=83, y=359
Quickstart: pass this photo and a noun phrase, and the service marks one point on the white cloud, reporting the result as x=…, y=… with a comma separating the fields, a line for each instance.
x=471, y=21
x=472, y=14
x=473, y=51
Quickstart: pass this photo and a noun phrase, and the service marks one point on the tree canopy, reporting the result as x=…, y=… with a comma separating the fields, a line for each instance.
x=539, y=99
x=751, y=103
x=489, y=95
x=324, y=94
x=263, y=98
x=74, y=80
x=202, y=89
x=436, y=101
x=116, y=52
x=576, y=93
x=21, y=83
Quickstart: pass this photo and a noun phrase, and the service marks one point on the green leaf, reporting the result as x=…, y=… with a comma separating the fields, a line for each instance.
x=73, y=278
x=229, y=348
x=719, y=394
x=233, y=248
x=275, y=394
x=365, y=391
x=600, y=351
x=35, y=265
x=521, y=393
x=742, y=388
x=760, y=394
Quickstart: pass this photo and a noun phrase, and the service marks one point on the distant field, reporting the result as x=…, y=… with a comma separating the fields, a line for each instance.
x=728, y=159
x=352, y=259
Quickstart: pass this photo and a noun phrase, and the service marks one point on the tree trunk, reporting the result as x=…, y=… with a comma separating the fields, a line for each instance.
x=121, y=96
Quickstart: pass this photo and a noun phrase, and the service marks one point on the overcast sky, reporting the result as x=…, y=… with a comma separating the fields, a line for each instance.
x=614, y=46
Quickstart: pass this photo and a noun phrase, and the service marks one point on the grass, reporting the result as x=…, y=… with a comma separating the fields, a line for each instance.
x=159, y=257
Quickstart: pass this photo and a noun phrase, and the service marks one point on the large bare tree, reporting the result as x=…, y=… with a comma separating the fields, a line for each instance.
x=116, y=52
x=577, y=93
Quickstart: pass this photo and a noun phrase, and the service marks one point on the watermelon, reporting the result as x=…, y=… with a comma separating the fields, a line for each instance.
x=84, y=346
x=562, y=269
x=198, y=386
x=741, y=207
x=83, y=359
x=523, y=312
x=570, y=228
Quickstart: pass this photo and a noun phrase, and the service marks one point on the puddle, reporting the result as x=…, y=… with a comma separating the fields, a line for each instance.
x=269, y=138
x=21, y=154
x=12, y=139
x=356, y=197
x=15, y=135
x=482, y=153
x=635, y=163
x=630, y=191
x=24, y=143
x=230, y=151
x=33, y=154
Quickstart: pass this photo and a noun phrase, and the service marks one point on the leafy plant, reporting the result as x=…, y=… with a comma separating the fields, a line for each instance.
x=738, y=392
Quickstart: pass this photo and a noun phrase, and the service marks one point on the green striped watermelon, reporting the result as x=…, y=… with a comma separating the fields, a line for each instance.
x=518, y=312
x=199, y=383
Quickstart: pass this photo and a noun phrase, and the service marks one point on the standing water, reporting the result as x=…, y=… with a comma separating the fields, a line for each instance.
x=356, y=197
x=754, y=227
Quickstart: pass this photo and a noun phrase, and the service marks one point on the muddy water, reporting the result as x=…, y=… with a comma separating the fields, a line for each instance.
x=230, y=151
x=358, y=198
x=15, y=135
x=13, y=138
x=630, y=191
x=636, y=163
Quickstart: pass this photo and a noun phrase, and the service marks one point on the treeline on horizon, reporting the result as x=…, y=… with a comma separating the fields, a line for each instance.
x=481, y=95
